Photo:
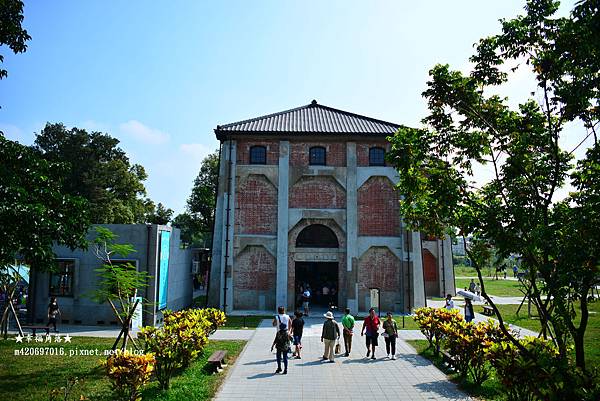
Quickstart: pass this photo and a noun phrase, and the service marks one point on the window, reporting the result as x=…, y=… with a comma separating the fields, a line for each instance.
x=376, y=157
x=61, y=280
x=258, y=155
x=317, y=236
x=317, y=156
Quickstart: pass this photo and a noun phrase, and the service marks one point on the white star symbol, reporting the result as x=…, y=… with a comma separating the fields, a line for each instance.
x=19, y=338
x=67, y=338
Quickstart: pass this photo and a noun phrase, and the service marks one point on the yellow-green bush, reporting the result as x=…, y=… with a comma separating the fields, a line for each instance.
x=128, y=373
x=215, y=317
x=431, y=322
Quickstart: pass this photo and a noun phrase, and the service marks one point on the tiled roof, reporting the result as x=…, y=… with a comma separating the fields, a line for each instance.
x=307, y=120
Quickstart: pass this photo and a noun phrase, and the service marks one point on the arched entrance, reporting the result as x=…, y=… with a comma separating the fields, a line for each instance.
x=318, y=246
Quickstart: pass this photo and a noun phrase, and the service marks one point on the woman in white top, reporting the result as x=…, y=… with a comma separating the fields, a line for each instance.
x=449, y=302
x=282, y=318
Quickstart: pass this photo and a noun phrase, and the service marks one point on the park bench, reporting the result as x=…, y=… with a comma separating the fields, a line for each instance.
x=216, y=361
x=448, y=359
x=488, y=310
x=35, y=328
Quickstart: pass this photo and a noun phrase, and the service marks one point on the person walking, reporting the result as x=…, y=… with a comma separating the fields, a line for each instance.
x=449, y=302
x=469, y=313
x=329, y=335
x=297, y=329
x=371, y=327
x=53, y=313
x=515, y=271
x=282, y=345
x=348, y=326
x=390, y=333
x=472, y=286
x=477, y=289
x=282, y=318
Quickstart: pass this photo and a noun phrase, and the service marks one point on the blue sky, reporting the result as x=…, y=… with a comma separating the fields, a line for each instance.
x=160, y=76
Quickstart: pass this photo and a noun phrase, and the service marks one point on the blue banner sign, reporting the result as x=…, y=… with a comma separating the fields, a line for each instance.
x=163, y=278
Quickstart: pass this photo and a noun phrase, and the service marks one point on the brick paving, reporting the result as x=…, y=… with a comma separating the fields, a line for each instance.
x=410, y=377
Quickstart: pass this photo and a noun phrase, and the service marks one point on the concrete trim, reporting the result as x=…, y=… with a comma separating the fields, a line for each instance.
x=267, y=242
x=270, y=172
x=418, y=283
x=351, y=205
x=229, y=269
x=296, y=215
x=393, y=243
x=364, y=173
x=282, y=224
x=337, y=173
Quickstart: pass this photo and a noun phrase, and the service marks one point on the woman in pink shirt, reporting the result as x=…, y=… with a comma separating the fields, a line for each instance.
x=371, y=326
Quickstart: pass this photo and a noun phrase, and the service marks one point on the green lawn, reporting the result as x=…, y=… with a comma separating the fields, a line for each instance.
x=244, y=322
x=499, y=288
x=409, y=323
x=34, y=377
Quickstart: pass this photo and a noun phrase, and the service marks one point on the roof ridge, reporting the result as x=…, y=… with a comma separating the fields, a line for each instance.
x=313, y=104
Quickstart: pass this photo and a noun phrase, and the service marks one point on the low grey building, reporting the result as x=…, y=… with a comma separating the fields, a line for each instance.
x=158, y=252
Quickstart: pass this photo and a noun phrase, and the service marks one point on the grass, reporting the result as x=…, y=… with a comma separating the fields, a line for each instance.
x=34, y=377
x=199, y=302
x=499, y=288
x=244, y=322
x=409, y=323
x=491, y=389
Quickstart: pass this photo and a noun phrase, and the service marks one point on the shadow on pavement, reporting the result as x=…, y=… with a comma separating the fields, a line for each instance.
x=263, y=362
x=261, y=376
x=415, y=360
x=442, y=388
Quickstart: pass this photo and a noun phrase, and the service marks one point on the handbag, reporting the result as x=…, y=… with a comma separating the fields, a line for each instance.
x=337, y=348
x=384, y=334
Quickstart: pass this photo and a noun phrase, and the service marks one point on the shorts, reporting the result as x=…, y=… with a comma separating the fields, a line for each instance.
x=372, y=340
x=297, y=340
x=305, y=304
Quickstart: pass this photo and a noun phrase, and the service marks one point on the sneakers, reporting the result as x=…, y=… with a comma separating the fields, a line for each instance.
x=388, y=356
x=278, y=370
x=346, y=354
x=393, y=357
x=285, y=372
x=373, y=357
x=368, y=352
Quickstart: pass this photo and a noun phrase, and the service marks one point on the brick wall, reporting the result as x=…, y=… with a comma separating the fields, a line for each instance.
x=335, y=153
x=317, y=193
x=243, y=151
x=362, y=151
x=254, y=276
x=379, y=268
x=256, y=206
x=378, y=209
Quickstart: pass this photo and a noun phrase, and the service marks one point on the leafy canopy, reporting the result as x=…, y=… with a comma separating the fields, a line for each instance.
x=12, y=33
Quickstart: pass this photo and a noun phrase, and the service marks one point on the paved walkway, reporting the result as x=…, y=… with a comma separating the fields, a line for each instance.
x=410, y=377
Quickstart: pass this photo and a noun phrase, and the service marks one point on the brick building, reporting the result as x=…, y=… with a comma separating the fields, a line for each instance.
x=305, y=196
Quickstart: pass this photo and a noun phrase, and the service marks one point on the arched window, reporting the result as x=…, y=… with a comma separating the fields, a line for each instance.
x=317, y=156
x=258, y=155
x=376, y=157
x=317, y=236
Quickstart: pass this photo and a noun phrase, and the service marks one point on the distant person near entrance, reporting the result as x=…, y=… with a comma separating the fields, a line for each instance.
x=371, y=326
x=348, y=326
x=305, y=300
x=329, y=335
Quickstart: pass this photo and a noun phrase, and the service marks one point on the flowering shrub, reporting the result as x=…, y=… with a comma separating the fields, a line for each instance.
x=215, y=317
x=181, y=339
x=431, y=321
x=128, y=373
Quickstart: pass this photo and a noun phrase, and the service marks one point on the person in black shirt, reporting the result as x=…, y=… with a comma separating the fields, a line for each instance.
x=297, y=329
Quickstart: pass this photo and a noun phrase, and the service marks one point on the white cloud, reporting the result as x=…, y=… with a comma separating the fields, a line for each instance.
x=12, y=132
x=143, y=133
x=197, y=151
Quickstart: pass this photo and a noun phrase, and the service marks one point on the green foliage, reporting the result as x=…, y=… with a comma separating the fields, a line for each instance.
x=215, y=317
x=196, y=223
x=12, y=33
x=516, y=213
x=36, y=210
x=432, y=321
x=99, y=171
x=128, y=373
x=180, y=340
x=543, y=377
x=159, y=215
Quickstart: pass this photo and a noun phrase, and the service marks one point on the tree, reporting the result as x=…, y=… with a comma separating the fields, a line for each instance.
x=196, y=223
x=99, y=171
x=35, y=209
x=119, y=282
x=12, y=33
x=516, y=211
x=159, y=215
